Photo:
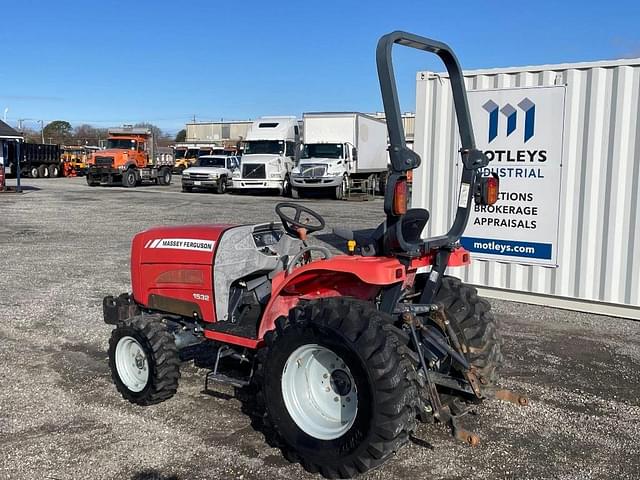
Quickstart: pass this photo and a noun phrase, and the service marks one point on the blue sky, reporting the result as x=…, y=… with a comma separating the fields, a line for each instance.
x=159, y=61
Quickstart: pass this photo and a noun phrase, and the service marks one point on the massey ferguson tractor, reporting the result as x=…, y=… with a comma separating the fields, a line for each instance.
x=346, y=353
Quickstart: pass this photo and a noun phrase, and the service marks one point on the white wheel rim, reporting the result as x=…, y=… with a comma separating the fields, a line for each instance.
x=132, y=364
x=319, y=392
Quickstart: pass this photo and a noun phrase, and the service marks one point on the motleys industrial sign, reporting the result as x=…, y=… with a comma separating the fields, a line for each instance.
x=521, y=132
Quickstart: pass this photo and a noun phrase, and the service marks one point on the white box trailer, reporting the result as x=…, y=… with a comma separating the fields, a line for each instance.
x=565, y=140
x=339, y=149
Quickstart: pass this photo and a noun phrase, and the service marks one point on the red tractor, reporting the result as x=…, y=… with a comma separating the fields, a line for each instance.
x=345, y=352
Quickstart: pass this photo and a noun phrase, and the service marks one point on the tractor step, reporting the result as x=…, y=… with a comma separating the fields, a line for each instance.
x=212, y=376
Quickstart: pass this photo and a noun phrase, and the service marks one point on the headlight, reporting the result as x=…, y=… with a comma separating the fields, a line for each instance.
x=235, y=174
x=214, y=175
x=120, y=167
x=295, y=171
x=185, y=175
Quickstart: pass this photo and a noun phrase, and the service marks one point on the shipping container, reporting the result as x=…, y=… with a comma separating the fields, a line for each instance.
x=597, y=262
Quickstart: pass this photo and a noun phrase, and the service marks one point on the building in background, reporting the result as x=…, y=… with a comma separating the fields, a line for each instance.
x=222, y=132
x=408, y=123
x=9, y=138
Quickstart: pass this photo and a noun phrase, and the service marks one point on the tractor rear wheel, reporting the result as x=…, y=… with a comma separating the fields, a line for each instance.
x=475, y=325
x=144, y=360
x=338, y=386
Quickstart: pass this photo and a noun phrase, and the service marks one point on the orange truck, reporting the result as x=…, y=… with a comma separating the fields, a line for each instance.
x=129, y=160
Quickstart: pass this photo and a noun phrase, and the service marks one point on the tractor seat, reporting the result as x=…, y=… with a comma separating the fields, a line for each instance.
x=412, y=224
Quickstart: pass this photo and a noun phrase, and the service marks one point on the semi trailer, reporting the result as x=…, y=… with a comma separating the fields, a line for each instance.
x=342, y=151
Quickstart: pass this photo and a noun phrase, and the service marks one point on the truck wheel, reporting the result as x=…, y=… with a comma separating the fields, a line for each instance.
x=295, y=193
x=144, y=360
x=92, y=181
x=474, y=324
x=382, y=184
x=286, y=187
x=129, y=178
x=341, y=189
x=43, y=171
x=54, y=170
x=338, y=386
x=34, y=172
x=222, y=185
x=164, y=177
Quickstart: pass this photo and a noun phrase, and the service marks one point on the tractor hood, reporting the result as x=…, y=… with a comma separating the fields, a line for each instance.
x=186, y=244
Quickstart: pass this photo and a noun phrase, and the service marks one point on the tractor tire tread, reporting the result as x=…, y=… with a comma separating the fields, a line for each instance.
x=164, y=361
x=383, y=348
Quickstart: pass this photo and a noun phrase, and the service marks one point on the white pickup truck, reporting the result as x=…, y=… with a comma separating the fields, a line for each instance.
x=210, y=172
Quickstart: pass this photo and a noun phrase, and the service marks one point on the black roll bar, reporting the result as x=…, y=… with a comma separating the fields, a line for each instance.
x=402, y=158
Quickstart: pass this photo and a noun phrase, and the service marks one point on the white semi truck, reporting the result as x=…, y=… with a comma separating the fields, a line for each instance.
x=270, y=153
x=342, y=151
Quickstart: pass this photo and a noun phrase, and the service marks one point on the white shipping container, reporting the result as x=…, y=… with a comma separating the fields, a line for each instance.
x=598, y=244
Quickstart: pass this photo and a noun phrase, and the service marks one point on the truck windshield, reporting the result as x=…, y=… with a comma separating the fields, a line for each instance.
x=322, y=150
x=121, y=143
x=210, y=162
x=180, y=153
x=271, y=147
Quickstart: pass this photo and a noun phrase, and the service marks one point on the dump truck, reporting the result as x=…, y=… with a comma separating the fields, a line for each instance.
x=343, y=151
x=129, y=160
x=40, y=160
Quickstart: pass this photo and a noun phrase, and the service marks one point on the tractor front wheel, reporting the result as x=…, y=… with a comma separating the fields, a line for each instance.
x=338, y=386
x=144, y=360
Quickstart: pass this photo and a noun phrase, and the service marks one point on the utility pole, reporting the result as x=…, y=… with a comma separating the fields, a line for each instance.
x=41, y=129
x=194, y=118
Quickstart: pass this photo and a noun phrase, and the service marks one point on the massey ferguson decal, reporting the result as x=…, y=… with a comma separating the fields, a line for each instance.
x=182, y=244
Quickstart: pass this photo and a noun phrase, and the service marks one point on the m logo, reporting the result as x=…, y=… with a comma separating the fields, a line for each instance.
x=511, y=114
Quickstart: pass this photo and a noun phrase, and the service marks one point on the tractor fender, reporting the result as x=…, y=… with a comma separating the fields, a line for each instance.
x=339, y=276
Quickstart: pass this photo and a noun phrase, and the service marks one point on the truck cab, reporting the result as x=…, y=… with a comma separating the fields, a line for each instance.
x=270, y=151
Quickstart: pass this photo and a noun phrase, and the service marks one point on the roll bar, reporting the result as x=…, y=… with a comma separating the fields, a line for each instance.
x=403, y=159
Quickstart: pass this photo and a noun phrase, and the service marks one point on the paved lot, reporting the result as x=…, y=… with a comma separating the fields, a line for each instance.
x=65, y=245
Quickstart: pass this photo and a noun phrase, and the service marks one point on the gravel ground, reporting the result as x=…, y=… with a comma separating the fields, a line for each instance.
x=65, y=245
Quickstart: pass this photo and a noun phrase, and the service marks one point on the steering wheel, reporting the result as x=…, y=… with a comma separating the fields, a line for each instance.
x=296, y=221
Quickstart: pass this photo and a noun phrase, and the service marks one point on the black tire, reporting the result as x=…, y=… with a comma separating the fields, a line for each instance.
x=222, y=185
x=54, y=170
x=162, y=359
x=382, y=184
x=286, y=187
x=129, y=179
x=92, y=181
x=164, y=176
x=43, y=171
x=475, y=325
x=34, y=172
x=338, y=193
x=375, y=353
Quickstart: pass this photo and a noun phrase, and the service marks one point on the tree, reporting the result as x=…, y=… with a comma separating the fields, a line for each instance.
x=181, y=136
x=58, y=131
x=157, y=133
x=88, y=135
